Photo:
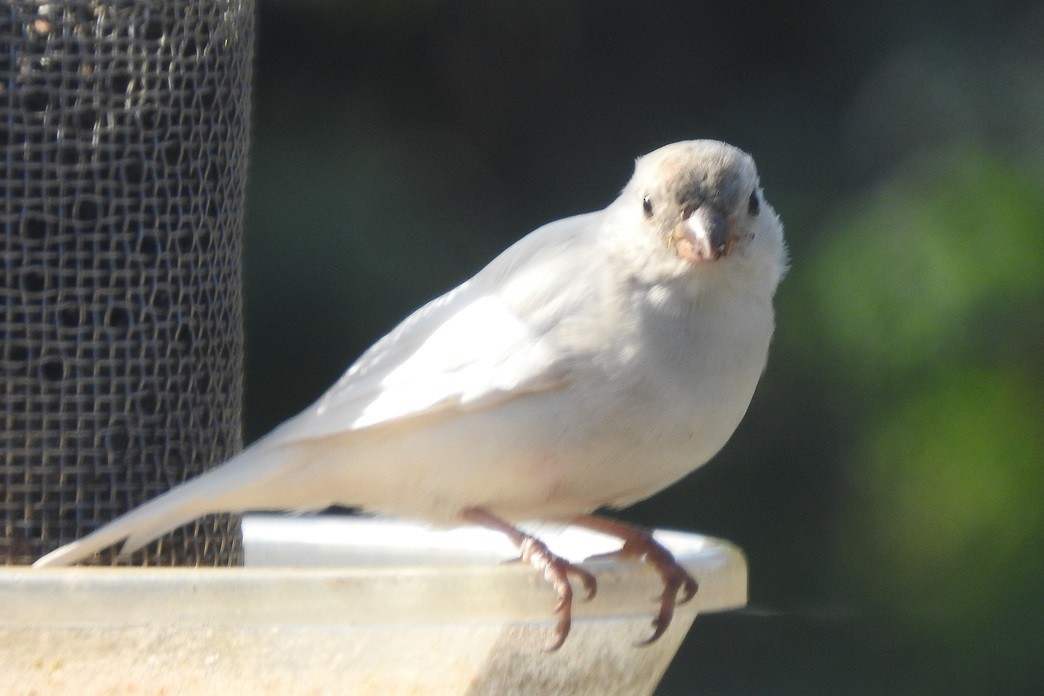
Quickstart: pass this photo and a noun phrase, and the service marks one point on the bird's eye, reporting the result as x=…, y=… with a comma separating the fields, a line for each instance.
x=753, y=205
x=647, y=206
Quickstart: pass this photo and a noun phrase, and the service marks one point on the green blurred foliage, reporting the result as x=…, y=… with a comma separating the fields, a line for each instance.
x=951, y=479
x=886, y=483
x=928, y=295
x=941, y=262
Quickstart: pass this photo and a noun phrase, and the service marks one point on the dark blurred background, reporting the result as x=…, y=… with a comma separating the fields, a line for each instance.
x=887, y=482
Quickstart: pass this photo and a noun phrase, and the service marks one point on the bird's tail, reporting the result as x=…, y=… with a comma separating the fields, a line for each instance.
x=237, y=485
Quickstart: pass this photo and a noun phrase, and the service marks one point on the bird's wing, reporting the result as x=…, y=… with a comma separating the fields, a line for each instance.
x=509, y=330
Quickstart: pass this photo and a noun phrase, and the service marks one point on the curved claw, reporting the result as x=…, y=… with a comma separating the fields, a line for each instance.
x=557, y=571
x=660, y=623
x=689, y=588
x=564, y=609
x=669, y=599
x=586, y=579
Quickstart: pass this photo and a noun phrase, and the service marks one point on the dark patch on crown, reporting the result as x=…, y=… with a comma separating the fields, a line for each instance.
x=706, y=175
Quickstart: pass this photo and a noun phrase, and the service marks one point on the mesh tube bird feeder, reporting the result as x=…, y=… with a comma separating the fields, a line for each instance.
x=123, y=137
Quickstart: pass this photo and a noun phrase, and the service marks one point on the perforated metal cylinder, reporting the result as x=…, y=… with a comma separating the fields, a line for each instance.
x=123, y=132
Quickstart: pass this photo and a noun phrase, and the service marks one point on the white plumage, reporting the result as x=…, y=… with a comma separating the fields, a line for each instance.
x=594, y=362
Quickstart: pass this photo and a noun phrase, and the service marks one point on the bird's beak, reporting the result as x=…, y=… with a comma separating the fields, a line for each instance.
x=704, y=235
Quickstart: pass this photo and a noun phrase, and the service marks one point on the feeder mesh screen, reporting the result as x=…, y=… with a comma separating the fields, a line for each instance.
x=123, y=137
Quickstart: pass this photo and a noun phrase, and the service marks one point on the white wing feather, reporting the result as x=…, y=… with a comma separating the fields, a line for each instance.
x=499, y=335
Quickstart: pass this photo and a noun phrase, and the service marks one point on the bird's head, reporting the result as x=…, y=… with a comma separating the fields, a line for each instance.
x=701, y=202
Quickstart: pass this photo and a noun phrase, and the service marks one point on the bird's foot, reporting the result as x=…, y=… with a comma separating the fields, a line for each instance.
x=638, y=544
x=555, y=569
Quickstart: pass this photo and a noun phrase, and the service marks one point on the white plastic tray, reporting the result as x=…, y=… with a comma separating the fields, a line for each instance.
x=339, y=605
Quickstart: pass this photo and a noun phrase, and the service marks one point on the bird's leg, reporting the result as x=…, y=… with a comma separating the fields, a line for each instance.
x=639, y=544
x=556, y=570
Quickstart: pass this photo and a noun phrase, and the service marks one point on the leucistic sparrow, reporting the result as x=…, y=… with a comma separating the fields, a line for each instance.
x=594, y=362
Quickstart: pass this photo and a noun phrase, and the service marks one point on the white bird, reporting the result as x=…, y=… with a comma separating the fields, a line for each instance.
x=591, y=364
